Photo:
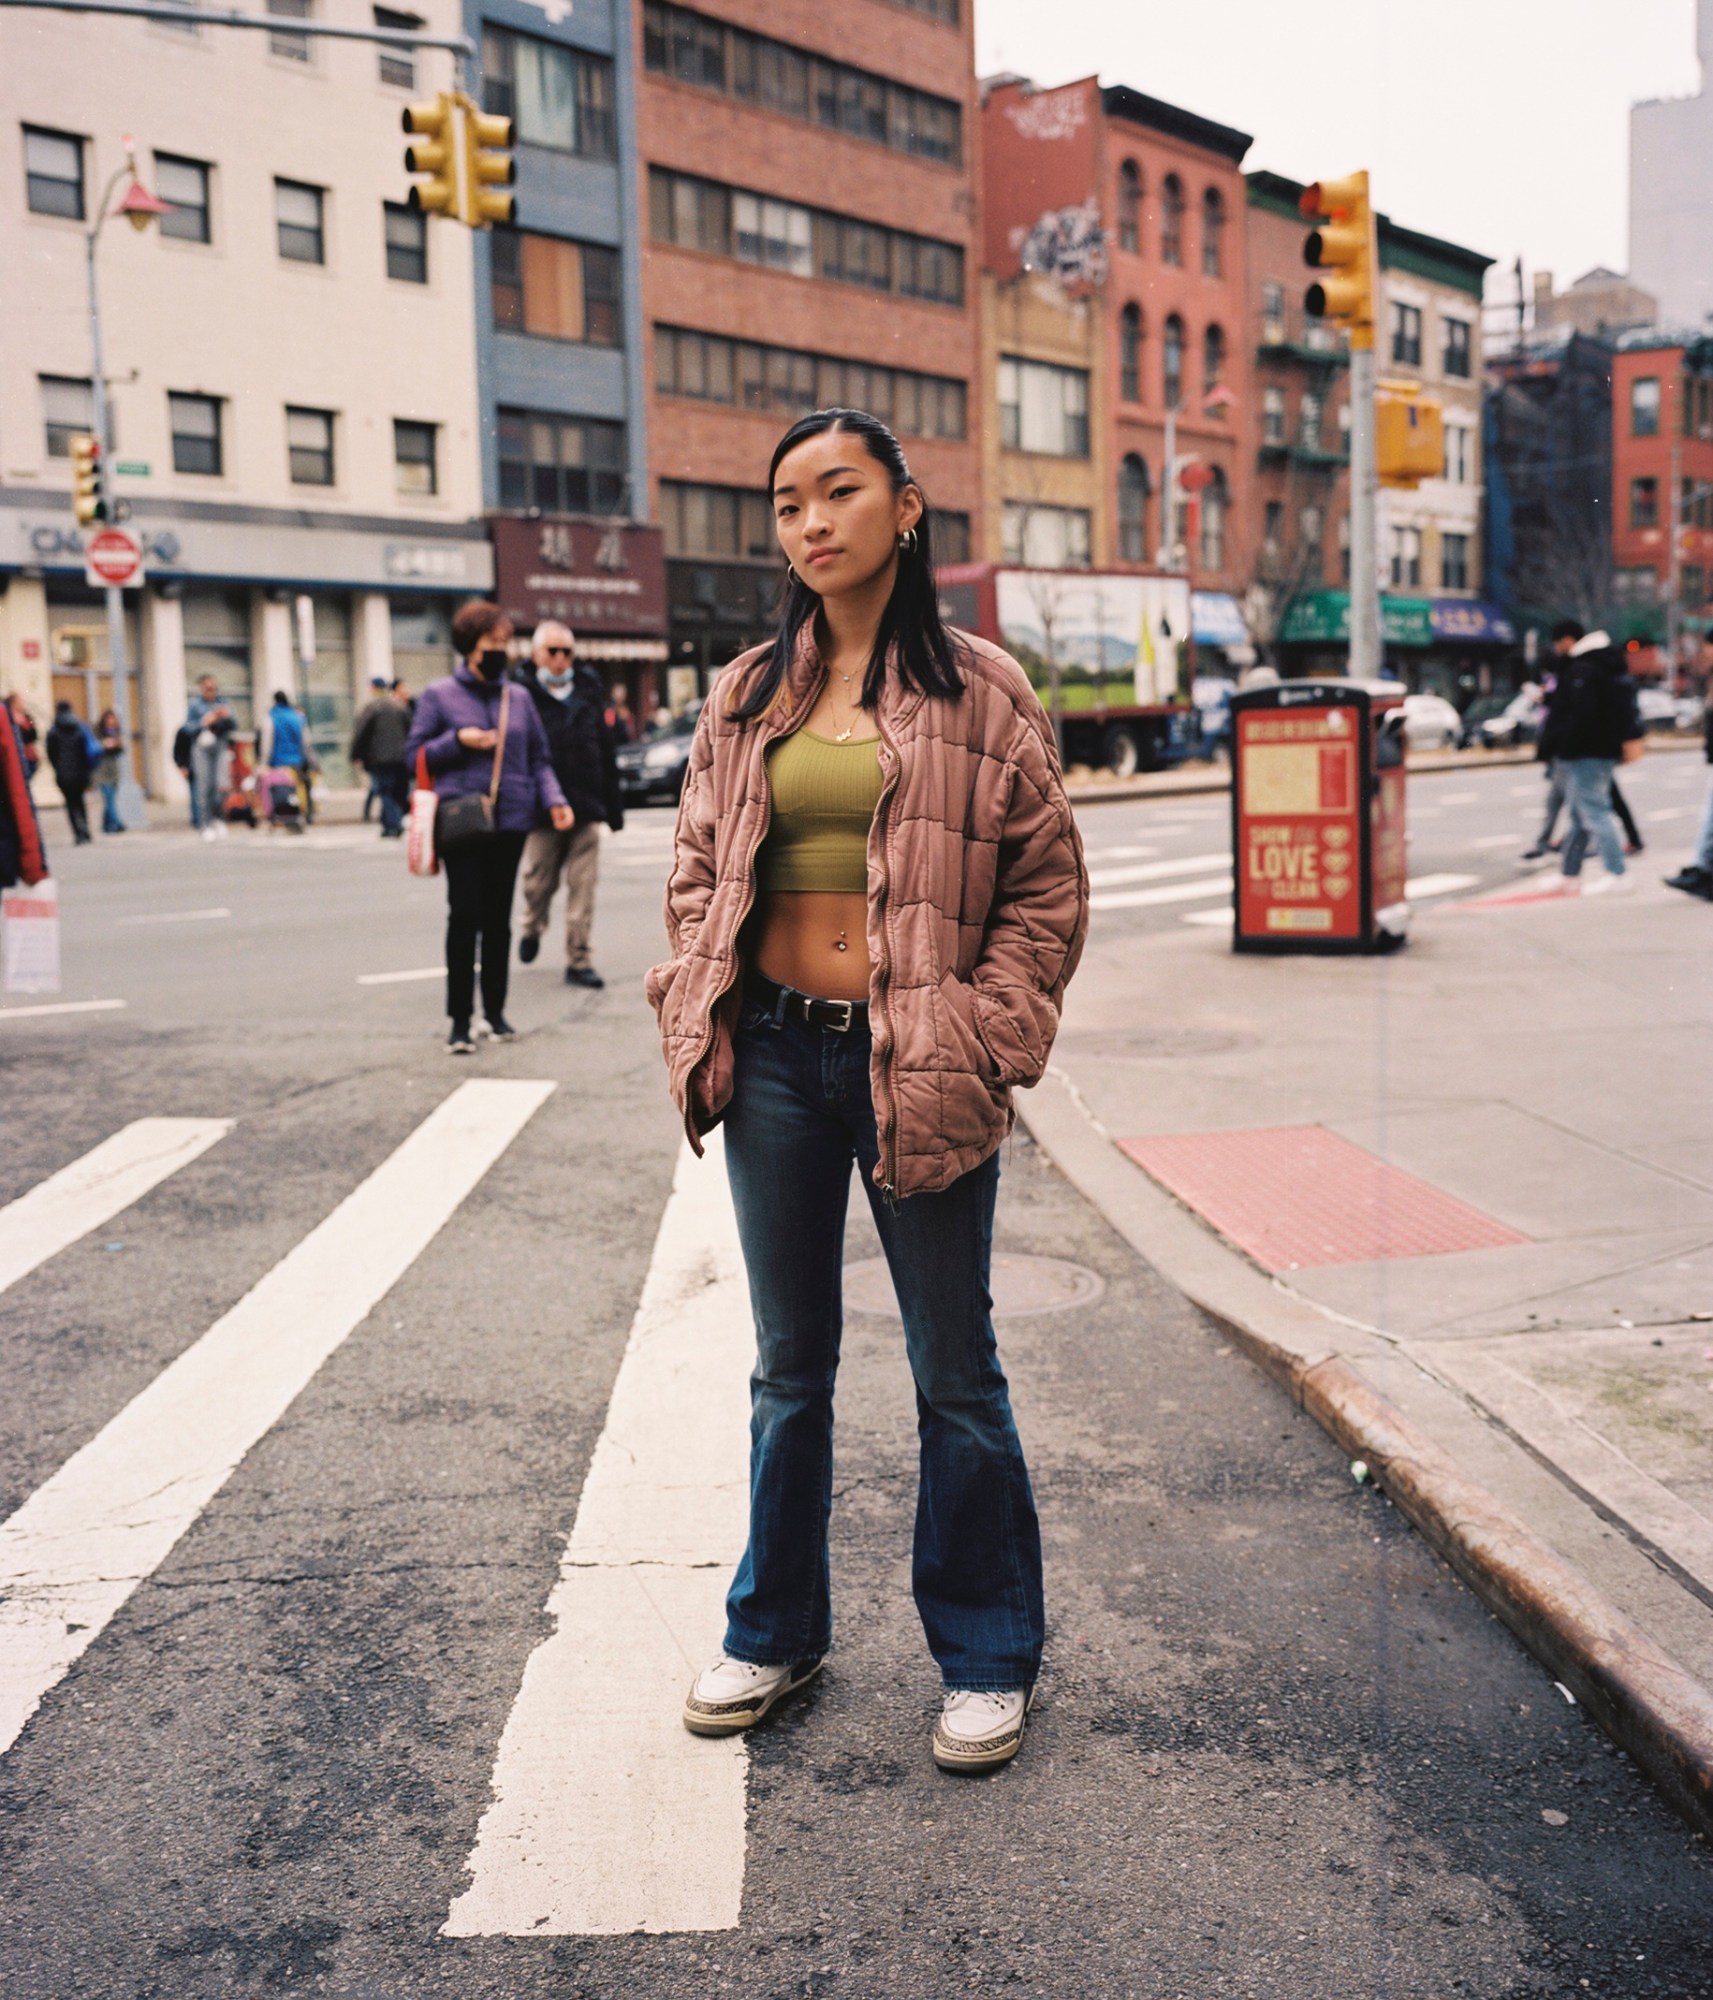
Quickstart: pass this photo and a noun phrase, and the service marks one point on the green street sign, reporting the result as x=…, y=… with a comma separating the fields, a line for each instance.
x=131, y=468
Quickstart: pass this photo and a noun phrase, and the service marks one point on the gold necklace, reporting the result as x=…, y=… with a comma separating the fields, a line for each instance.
x=844, y=735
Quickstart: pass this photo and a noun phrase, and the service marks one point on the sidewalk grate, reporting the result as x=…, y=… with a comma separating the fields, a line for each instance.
x=1298, y=1195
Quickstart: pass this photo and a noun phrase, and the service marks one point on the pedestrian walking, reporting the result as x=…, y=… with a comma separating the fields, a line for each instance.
x=210, y=722
x=73, y=755
x=1590, y=727
x=23, y=853
x=110, y=768
x=1567, y=635
x=571, y=699
x=1697, y=878
x=288, y=745
x=619, y=718
x=378, y=738
x=877, y=897
x=28, y=736
x=483, y=749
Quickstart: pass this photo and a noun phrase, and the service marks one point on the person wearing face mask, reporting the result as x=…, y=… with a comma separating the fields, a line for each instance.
x=570, y=699
x=456, y=732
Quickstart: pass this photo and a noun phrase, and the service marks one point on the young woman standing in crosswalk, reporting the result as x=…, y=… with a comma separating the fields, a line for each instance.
x=877, y=897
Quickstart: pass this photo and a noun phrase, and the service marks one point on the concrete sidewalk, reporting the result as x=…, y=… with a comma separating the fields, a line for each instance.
x=1529, y=1080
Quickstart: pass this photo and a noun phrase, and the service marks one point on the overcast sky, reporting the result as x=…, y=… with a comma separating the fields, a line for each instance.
x=1500, y=124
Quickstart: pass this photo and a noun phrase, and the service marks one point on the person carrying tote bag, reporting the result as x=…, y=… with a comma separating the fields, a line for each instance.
x=486, y=756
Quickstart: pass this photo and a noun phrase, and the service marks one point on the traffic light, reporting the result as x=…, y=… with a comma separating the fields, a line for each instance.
x=1344, y=247
x=436, y=158
x=88, y=481
x=1409, y=433
x=488, y=165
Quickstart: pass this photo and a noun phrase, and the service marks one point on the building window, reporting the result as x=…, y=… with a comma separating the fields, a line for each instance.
x=696, y=49
x=724, y=522
x=1045, y=537
x=309, y=446
x=783, y=236
x=1644, y=406
x=1172, y=220
x=1694, y=586
x=299, y=218
x=68, y=411
x=1272, y=313
x=416, y=456
x=1216, y=497
x=1133, y=508
x=1043, y=408
x=1130, y=206
x=1406, y=558
x=290, y=48
x=1273, y=415
x=1644, y=503
x=936, y=10
x=1459, y=355
x=1311, y=531
x=407, y=243
x=1309, y=421
x=560, y=290
x=1457, y=454
x=555, y=96
x=1213, y=358
x=1454, y=562
x=787, y=382
x=1130, y=353
x=53, y=173
x=563, y=465
x=1406, y=334
x=1173, y=360
x=397, y=64
x=951, y=537
x=1272, y=529
x=196, y=443
x=1213, y=233
x=185, y=184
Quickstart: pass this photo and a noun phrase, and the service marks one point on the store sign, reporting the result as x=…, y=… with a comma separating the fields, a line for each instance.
x=1322, y=617
x=1456, y=618
x=1299, y=844
x=595, y=576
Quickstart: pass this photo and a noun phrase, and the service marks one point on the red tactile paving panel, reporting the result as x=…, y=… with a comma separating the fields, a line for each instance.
x=1298, y=1195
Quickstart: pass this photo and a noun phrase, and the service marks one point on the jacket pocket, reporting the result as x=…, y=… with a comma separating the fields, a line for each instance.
x=968, y=1044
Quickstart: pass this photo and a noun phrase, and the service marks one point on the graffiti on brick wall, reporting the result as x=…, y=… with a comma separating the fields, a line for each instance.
x=1050, y=114
x=1067, y=244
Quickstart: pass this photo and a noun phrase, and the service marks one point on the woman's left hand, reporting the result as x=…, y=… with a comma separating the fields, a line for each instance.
x=563, y=818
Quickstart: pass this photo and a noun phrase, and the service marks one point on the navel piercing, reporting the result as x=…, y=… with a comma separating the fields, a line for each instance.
x=842, y=944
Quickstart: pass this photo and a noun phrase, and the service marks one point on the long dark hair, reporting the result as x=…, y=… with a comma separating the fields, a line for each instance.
x=911, y=632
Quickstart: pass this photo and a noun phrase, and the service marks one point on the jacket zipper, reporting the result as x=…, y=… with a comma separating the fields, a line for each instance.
x=882, y=972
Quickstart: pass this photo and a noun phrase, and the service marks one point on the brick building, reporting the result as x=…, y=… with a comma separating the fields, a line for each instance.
x=810, y=220
x=1662, y=477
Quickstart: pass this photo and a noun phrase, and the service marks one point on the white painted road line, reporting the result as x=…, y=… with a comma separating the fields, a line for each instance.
x=1170, y=892
x=62, y=1007
x=608, y=1817
x=1157, y=871
x=1459, y=799
x=175, y=917
x=92, y=1190
x=1421, y=888
x=1665, y=813
x=1208, y=917
x=398, y=978
x=1492, y=840
x=77, y=1548
x=1118, y=853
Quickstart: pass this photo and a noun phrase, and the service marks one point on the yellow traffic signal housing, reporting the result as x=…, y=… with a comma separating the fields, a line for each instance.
x=1344, y=246
x=436, y=157
x=488, y=165
x=88, y=481
x=1409, y=437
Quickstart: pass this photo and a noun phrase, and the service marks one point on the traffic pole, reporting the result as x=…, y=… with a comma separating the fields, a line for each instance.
x=1365, y=648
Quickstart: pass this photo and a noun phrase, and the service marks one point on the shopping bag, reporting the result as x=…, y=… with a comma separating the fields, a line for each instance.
x=419, y=853
x=29, y=938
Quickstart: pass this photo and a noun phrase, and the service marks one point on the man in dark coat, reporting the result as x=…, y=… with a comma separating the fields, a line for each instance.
x=377, y=745
x=73, y=767
x=571, y=701
x=1591, y=715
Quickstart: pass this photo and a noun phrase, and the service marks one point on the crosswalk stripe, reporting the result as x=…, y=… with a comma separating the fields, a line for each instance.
x=1157, y=871
x=77, y=1548
x=608, y=1817
x=1167, y=892
x=92, y=1190
x=62, y=1007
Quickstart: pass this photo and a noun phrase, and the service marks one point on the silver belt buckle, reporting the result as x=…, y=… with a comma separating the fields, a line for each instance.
x=841, y=1027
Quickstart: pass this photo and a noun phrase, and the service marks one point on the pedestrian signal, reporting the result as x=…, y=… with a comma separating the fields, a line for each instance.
x=1409, y=436
x=1344, y=247
x=488, y=165
x=88, y=481
x=435, y=157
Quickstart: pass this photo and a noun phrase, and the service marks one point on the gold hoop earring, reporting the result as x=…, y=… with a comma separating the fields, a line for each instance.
x=907, y=541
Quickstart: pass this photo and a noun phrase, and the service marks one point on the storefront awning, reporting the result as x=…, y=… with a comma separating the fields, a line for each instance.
x=1322, y=618
x=1470, y=619
x=1216, y=620
x=620, y=649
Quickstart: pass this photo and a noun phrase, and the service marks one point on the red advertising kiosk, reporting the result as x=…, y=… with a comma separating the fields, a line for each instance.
x=1317, y=817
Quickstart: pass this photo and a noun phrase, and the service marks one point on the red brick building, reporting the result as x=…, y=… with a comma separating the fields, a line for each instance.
x=809, y=193
x=1134, y=209
x=1662, y=497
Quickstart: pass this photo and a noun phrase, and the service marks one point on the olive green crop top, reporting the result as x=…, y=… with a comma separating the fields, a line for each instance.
x=824, y=796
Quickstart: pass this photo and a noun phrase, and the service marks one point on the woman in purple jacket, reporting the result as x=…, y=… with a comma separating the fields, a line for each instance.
x=456, y=728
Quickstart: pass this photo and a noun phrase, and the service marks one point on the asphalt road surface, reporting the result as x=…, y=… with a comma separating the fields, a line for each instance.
x=1279, y=1750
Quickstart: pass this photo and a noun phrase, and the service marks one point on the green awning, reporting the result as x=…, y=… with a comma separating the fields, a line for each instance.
x=1322, y=618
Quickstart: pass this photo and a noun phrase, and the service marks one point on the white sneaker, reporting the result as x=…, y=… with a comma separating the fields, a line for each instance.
x=1610, y=885
x=735, y=1694
x=208, y=833
x=979, y=1729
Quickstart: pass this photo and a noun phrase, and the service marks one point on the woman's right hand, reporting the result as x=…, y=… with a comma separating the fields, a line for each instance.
x=478, y=739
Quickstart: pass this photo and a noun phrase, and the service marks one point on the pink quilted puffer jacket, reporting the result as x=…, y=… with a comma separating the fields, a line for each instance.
x=977, y=908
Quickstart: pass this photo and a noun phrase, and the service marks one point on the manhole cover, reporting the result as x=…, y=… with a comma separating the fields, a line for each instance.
x=1154, y=1044
x=1021, y=1285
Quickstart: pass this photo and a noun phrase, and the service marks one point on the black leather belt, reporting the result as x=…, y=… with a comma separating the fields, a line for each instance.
x=786, y=1003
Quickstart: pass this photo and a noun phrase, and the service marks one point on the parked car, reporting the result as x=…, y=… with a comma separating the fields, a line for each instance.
x=1431, y=723
x=652, y=771
x=1657, y=709
x=1504, y=722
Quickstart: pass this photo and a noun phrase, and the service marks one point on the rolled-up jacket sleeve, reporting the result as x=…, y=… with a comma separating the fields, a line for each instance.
x=431, y=733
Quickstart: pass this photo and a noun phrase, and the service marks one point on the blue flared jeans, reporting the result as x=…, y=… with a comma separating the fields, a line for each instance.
x=801, y=1114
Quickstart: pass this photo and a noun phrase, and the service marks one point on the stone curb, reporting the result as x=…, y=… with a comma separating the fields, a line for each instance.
x=1644, y=1699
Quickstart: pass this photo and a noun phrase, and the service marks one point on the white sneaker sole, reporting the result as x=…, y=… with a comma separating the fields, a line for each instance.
x=982, y=1753
x=728, y=1718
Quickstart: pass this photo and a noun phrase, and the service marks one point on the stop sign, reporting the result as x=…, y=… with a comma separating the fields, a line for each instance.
x=113, y=557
